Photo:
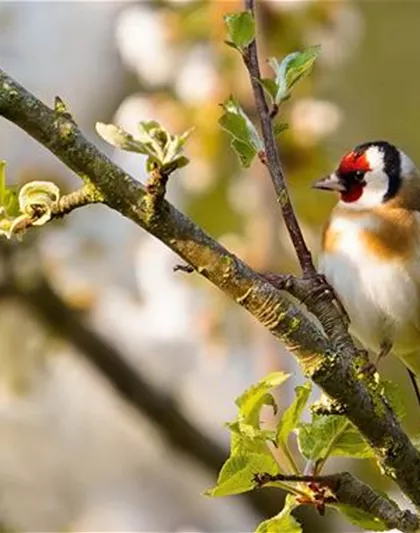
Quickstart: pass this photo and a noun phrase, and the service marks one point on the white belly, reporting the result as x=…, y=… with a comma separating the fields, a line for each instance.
x=380, y=297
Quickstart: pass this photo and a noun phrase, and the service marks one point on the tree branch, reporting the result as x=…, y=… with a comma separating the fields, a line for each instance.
x=347, y=490
x=67, y=203
x=332, y=363
x=333, y=318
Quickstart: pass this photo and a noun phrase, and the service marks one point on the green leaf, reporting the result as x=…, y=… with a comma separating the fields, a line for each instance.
x=119, y=138
x=392, y=392
x=247, y=438
x=246, y=141
x=301, y=65
x=164, y=150
x=237, y=474
x=331, y=435
x=292, y=68
x=8, y=195
x=251, y=401
x=362, y=519
x=279, y=128
x=283, y=522
x=3, y=187
x=291, y=417
x=270, y=87
x=240, y=28
x=244, y=151
x=175, y=164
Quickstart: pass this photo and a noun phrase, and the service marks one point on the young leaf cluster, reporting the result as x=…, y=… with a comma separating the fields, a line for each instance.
x=31, y=205
x=288, y=72
x=164, y=151
x=246, y=141
x=240, y=29
x=256, y=450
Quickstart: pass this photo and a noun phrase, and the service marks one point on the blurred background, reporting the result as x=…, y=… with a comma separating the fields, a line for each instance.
x=117, y=374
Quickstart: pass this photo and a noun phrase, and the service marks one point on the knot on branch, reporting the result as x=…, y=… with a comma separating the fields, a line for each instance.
x=61, y=109
x=156, y=190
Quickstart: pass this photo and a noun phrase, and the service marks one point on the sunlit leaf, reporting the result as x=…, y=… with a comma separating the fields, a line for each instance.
x=237, y=474
x=245, y=152
x=119, y=138
x=393, y=394
x=291, y=416
x=292, y=69
x=2, y=182
x=240, y=28
x=270, y=87
x=246, y=140
x=331, y=435
x=362, y=519
x=175, y=164
x=164, y=150
x=251, y=401
x=8, y=195
x=283, y=522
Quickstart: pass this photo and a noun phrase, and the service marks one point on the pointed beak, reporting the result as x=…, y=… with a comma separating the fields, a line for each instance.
x=330, y=183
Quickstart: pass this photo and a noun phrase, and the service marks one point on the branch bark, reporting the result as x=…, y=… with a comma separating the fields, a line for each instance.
x=345, y=489
x=327, y=356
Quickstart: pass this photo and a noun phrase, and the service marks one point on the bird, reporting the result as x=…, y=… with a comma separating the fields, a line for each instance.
x=370, y=253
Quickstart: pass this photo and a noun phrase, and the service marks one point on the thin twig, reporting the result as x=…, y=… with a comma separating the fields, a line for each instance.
x=273, y=159
x=67, y=203
x=347, y=490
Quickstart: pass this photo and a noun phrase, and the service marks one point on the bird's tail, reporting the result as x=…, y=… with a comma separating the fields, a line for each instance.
x=415, y=384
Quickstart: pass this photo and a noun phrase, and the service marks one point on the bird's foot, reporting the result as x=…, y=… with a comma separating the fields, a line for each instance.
x=282, y=282
x=319, y=286
x=370, y=369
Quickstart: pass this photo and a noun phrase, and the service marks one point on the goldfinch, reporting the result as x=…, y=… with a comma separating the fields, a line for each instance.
x=371, y=248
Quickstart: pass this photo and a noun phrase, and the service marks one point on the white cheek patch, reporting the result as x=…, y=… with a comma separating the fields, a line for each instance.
x=376, y=187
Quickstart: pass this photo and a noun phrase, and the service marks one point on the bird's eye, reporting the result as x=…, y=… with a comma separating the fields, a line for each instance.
x=359, y=175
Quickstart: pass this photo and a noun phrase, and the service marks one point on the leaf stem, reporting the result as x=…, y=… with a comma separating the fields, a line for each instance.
x=288, y=454
x=321, y=463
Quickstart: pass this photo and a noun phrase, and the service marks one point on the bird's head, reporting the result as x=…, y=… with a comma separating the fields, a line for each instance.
x=371, y=174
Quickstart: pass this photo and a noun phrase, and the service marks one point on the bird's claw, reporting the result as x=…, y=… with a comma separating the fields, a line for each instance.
x=319, y=286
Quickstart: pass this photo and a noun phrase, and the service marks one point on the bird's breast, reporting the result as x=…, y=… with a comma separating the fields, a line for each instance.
x=373, y=274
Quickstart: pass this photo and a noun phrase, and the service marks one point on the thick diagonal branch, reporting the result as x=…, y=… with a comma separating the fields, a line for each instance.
x=329, y=364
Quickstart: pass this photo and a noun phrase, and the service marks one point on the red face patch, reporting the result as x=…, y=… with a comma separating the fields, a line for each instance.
x=354, y=161
x=353, y=194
